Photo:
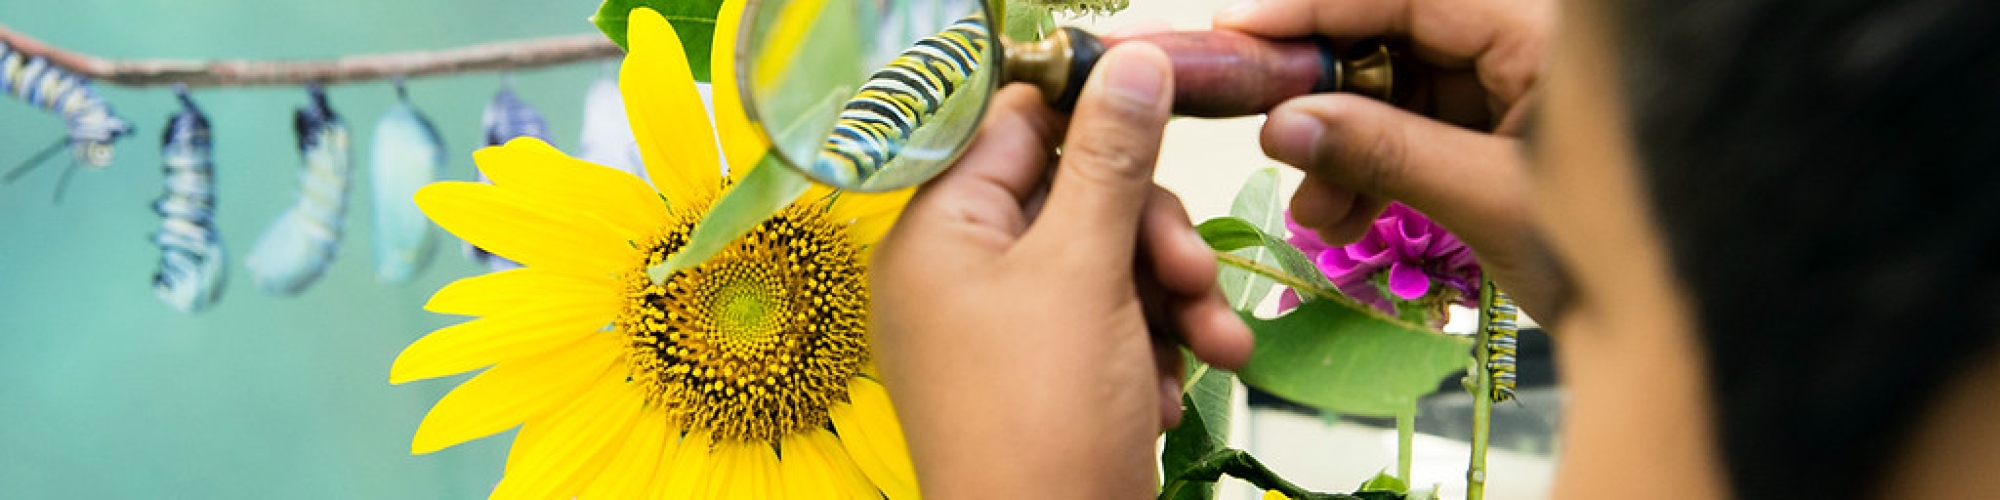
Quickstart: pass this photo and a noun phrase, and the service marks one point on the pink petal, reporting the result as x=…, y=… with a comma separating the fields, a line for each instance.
x=1408, y=281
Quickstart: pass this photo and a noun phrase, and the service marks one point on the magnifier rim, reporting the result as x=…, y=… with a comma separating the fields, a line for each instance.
x=744, y=95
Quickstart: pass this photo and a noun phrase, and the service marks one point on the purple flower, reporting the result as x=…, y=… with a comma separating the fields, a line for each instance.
x=1404, y=261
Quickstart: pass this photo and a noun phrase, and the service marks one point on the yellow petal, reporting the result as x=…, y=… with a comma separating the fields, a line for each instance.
x=547, y=177
x=582, y=439
x=854, y=206
x=512, y=393
x=663, y=465
x=869, y=430
x=742, y=142
x=687, y=476
x=665, y=109
x=526, y=331
x=632, y=471
x=815, y=462
x=497, y=292
x=524, y=439
x=511, y=226
x=870, y=230
x=1275, y=495
x=744, y=471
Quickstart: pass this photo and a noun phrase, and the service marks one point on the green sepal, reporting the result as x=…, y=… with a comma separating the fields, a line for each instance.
x=764, y=191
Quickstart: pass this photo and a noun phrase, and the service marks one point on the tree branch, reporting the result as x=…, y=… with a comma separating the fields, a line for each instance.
x=496, y=56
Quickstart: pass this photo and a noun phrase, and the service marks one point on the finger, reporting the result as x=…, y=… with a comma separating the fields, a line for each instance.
x=1446, y=33
x=1167, y=363
x=1352, y=223
x=1319, y=204
x=1213, y=331
x=1468, y=181
x=1106, y=173
x=997, y=174
x=1181, y=260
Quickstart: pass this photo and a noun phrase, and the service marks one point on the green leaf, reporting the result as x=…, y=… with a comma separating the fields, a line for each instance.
x=1341, y=357
x=1239, y=464
x=1258, y=204
x=1026, y=21
x=694, y=20
x=1384, y=482
x=1229, y=234
x=1205, y=415
x=768, y=188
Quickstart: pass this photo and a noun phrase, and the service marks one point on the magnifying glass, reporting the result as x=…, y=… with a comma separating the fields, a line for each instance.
x=878, y=95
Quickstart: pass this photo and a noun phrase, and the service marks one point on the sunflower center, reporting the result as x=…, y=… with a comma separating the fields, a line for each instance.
x=756, y=343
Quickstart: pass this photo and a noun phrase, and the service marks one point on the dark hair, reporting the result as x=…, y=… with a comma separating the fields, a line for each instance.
x=1827, y=176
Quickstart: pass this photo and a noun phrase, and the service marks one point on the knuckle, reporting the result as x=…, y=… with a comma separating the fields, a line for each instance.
x=1111, y=155
x=1368, y=155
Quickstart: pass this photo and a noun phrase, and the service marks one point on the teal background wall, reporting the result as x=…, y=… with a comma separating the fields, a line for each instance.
x=107, y=393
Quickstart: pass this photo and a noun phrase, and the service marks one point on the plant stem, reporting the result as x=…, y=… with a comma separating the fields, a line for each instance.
x=1482, y=398
x=1406, y=433
x=1280, y=276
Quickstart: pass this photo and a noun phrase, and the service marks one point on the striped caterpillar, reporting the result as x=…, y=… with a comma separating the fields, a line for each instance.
x=1502, y=344
x=895, y=101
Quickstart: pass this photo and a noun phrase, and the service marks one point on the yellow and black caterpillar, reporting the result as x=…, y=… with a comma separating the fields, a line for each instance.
x=1502, y=344
x=898, y=99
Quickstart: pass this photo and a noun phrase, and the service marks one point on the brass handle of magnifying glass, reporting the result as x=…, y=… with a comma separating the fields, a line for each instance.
x=1216, y=73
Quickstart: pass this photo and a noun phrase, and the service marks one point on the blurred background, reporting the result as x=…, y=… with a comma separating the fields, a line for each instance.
x=105, y=392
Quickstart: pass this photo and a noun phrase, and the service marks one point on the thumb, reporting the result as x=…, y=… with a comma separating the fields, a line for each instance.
x=1106, y=175
x=1463, y=179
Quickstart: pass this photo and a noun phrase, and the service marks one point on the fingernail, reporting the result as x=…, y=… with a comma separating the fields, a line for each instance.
x=1294, y=136
x=1140, y=80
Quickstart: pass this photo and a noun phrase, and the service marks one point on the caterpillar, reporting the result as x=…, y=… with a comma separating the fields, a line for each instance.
x=898, y=99
x=406, y=154
x=192, y=258
x=295, y=249
x=504, y=119
x=1502, y=344
x=92, y=125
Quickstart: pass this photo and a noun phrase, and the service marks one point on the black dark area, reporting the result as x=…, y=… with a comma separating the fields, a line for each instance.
x=1824, y=174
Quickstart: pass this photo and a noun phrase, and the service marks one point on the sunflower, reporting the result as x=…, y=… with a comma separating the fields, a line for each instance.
x=745, y=377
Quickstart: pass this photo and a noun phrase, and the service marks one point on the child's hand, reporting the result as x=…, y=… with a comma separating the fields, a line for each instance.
x=1028, y=342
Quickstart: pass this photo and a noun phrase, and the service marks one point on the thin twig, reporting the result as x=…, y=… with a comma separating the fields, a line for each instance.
x=495, y=56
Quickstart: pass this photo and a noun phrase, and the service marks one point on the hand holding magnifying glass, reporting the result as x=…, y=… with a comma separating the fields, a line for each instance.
x=888, y=109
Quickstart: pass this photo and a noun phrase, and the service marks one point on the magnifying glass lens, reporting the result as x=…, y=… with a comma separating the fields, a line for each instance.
x=869, y=95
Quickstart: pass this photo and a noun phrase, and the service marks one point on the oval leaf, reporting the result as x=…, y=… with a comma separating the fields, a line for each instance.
x=1258, y=204
x=1338, y=357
